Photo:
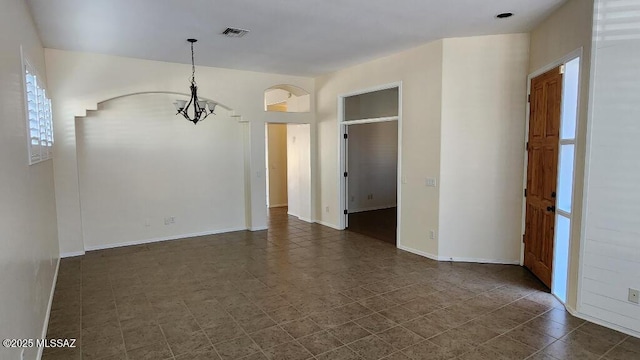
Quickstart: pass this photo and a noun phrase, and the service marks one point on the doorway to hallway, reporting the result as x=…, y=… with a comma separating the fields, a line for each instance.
x=288, y=168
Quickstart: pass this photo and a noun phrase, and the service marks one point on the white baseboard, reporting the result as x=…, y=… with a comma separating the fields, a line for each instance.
x=259, y=228
x=418, y=252
x=71, y=254
x=324, y=223
x=305, y=219
x=458, y=259
x=607, y=324
x=167, y=238
x=479, y=260
x=278, y=205
x=372, y=208
x=45, y=326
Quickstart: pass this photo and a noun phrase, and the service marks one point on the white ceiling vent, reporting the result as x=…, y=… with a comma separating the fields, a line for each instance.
x=235, y=32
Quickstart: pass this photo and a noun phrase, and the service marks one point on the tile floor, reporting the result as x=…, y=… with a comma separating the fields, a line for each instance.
x=304, y=291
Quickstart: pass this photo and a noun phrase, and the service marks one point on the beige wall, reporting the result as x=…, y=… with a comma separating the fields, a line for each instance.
x=568, y=29
x=79, y=81
x=139, y=164
x=277, y=154
x=420, y=71
x=29, y=241
x=482, y=154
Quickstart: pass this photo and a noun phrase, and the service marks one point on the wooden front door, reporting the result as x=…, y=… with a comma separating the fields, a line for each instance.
x=542, y=173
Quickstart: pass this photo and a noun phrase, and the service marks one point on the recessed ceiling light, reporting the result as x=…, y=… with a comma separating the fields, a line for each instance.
x=504, y=15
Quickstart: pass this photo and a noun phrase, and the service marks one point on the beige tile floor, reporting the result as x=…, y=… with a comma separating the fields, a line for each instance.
x=304, y=291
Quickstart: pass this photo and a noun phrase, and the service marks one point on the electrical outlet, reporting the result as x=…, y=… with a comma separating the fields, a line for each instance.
x=431, y=182
x=172, y=219
x=432, y=234
x=634, y=296
x=326, y=209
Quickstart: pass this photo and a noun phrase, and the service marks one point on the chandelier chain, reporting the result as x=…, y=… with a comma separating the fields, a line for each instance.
x=193, y=66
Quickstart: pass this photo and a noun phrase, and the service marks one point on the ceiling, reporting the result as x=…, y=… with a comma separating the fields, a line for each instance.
x=299, y=37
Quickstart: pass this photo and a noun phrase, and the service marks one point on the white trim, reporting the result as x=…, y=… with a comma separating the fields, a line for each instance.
x=164, y=238
x=305, y=219
x=458, y=259
x=594, y=320
x=418, y=252
x=342, y=196
x=72, y=254
x=258, y=228
x=373, y=208
x=45, y=326
x=278, y=205
x=369, y=121
x=480, y=261
x=324, y=223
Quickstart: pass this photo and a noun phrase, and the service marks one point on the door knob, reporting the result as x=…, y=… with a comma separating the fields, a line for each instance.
x=551, y=208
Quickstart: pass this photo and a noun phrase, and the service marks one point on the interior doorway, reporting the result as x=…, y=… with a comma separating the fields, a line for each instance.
x=550, y=164
x=288, y=168
x=370, y=153
x=372, y=169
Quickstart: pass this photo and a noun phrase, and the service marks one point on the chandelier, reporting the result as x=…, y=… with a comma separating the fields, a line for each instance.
x=196, y=108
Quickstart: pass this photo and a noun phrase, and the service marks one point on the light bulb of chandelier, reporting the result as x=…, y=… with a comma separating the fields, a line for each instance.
x=180, y=104
x=212, y=106
x=202, y=104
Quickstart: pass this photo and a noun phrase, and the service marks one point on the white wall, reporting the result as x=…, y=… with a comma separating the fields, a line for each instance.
x=79, y=81
x=138, y=164
x=28, y=240
x=420, y=71
x=277, y=164
x=299, y=171
x=483, y=126
x=566, y=30
x=611, y=254
x=373, y=166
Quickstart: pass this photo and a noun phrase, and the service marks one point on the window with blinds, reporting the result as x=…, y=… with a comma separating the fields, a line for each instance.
x=39, y=119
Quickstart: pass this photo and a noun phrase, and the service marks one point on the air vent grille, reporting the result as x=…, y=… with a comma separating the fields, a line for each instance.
x=235, y=32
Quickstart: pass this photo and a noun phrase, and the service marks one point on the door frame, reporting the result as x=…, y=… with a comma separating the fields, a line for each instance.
x=578, y=53
x=342, y=124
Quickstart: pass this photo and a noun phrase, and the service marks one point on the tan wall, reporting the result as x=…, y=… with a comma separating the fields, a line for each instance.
x=420, y=71
x=29, y=241
x=277, y=153
x=566, y=30
x=482, y=155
